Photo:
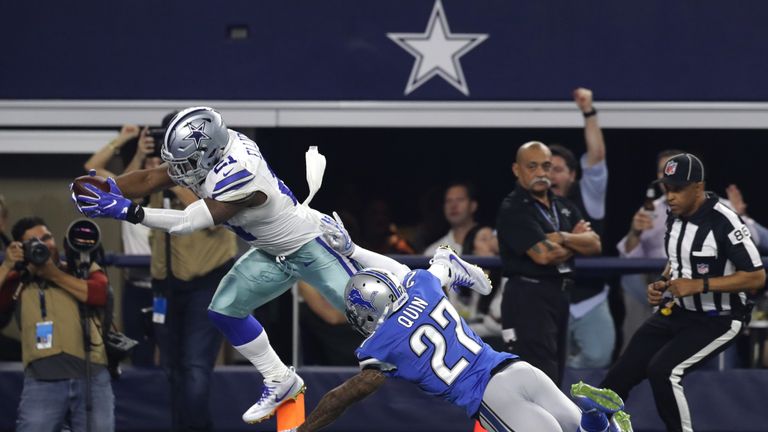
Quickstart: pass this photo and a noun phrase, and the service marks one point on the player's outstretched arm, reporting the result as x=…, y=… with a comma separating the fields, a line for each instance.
x=339, y=240
x=203, y=213
x=336, y=401
x=140, y=183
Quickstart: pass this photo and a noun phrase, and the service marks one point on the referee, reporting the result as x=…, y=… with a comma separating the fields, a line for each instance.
x=539, y=233
x=712, y=261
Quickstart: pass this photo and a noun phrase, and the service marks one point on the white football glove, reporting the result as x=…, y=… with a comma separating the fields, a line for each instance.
x=336, y=235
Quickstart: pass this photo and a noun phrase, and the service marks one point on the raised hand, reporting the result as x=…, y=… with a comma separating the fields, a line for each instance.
x=736, y=199
x=641, y=221
x=583, y=99
x=336, y=235
x=108, y=204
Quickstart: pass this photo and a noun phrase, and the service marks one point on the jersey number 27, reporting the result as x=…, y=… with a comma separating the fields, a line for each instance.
x=447, y=374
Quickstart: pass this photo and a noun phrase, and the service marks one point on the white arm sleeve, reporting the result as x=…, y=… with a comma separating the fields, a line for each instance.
x=372, y=259
x=195, y=217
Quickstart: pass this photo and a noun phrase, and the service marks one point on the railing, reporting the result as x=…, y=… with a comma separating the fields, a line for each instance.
x=603, y=265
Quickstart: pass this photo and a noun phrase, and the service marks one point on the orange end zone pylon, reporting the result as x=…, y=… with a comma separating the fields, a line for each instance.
x=479, y=428
x=290, y=415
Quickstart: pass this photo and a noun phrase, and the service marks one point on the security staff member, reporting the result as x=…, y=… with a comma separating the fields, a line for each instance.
x=701, y=293
x=539, y=233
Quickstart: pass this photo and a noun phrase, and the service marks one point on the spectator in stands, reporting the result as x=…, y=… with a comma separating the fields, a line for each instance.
x=466, y=237
x=53, y=340
x=5, y=241
x=459, y=208
x=539, y=233
x=136, y=147
x=645, y=239
x=591, y=333
x=10, y=348
x=759, y=232
x=379, y=233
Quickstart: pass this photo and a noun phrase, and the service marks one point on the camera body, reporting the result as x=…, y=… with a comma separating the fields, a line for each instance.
x=158, y=134
x=35, y=252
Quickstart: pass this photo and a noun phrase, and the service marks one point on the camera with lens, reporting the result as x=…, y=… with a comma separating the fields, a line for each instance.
x=82, y=246
x=158, y=134
x=35, y=252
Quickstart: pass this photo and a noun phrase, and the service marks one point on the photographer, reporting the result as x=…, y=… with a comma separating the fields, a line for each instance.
x=48, y=300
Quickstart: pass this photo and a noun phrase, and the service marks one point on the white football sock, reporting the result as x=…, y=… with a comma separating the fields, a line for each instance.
x=442, y=272
x=261, y=354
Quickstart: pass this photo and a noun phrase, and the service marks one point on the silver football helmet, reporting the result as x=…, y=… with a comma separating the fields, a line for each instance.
x=194, y=141
x=370, y=296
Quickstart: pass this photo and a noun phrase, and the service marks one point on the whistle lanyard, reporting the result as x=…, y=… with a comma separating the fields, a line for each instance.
x=553, y=218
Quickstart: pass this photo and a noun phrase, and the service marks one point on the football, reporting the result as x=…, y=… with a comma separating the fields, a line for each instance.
x=78, y=186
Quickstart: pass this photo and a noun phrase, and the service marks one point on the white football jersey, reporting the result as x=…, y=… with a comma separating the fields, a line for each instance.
x=281, y=225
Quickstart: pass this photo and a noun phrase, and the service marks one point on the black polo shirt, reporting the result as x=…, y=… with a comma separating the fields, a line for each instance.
x=522, y=222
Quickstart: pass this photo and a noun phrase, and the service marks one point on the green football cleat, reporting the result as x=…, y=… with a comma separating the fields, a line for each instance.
x=620, y=422
x=590, y=398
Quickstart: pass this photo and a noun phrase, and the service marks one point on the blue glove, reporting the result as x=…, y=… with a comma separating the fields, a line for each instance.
x=108, y=204
x=336, y=235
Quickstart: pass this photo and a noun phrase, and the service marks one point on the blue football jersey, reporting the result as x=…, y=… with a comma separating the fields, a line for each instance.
x=426, y=342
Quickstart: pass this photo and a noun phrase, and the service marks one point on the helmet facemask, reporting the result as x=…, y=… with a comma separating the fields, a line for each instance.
x=185, y=171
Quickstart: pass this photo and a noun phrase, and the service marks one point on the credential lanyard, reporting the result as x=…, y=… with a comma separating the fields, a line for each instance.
x=553, y=218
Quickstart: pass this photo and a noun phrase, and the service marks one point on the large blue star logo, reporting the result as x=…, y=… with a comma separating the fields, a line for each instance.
x=197, y=133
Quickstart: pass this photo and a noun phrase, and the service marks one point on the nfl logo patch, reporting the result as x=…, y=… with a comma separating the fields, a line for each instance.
x=702, y=268
x=670, y=168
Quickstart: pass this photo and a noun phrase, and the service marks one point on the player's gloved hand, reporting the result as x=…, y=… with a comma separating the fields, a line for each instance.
x=336, y=235
x=108, y=204
x=72, y=196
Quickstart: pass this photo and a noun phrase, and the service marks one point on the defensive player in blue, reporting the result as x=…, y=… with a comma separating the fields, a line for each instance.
x=414, y=333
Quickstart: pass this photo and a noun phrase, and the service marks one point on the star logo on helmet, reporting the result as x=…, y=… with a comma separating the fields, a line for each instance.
x=197, y=133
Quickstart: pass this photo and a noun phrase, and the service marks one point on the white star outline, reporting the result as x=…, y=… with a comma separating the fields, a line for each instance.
x=437, y=51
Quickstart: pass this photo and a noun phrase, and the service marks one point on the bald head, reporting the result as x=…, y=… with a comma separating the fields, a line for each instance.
x=532, y=167
x=532, y=147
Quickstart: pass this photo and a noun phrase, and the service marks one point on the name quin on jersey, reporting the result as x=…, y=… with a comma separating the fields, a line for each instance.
x=412, y=311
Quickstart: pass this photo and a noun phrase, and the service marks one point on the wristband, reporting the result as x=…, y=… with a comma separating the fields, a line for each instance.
x=706, y=285
x=135, y=213
x=591, y=113
x=662, y=278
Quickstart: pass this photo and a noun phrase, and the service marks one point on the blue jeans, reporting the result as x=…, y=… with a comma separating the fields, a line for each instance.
x=189, y=344
x=45, y=405
x=591, y=339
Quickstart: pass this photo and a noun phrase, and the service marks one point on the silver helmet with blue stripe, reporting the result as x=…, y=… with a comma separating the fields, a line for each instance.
x=371, y=295
x=194, y=142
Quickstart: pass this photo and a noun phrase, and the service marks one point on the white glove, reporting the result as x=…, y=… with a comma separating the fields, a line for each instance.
x=336, y=235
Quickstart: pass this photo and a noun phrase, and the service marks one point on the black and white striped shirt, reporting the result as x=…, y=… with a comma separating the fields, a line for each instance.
x=712, y=242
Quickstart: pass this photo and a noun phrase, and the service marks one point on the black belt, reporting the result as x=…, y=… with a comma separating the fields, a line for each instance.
x=562, y=282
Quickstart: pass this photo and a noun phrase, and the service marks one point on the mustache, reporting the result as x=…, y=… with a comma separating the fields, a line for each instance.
x=540, y=180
